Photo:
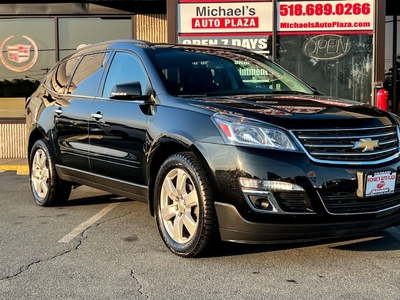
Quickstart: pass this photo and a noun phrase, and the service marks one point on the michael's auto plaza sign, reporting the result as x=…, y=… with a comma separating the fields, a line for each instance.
x=249, y=24
x=237, y=23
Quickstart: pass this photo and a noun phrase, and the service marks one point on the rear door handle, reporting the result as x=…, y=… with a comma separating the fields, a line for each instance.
x=58, y=111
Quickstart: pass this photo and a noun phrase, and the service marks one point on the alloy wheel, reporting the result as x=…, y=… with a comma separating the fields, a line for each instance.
x=40, y=173
x=179, y=205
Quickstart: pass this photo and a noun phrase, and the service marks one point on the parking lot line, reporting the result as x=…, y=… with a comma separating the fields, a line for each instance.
x=21, y=169
x=83, y=226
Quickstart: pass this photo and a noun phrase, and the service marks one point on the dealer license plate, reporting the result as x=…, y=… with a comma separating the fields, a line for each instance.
x=380, y=183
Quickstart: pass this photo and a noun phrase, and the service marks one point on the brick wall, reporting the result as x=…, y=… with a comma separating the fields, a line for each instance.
x=152, y=28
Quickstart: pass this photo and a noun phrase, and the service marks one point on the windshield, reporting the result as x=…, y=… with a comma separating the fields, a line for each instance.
x=222, y=72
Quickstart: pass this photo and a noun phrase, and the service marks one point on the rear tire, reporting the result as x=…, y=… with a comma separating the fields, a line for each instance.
x=47, y=189
x=184, y=209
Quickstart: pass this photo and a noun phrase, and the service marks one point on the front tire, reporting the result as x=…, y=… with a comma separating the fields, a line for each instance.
x=184, y=210
x=47, y=189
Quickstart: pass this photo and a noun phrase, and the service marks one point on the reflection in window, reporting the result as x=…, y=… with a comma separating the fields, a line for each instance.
x=16, y=32
x=58, y=78
x=336, y=65
x=88, y=74
x=125, y=68
x=222, y=73
x=16, y=86
x=77, y=31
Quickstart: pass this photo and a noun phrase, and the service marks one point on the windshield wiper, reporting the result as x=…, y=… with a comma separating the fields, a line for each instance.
x=289, y=92
x=206, y=94
x=192, y=95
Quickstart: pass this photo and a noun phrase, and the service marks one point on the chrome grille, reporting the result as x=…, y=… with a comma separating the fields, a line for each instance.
x=340, y=144
x=293, y=202
x=350, y=203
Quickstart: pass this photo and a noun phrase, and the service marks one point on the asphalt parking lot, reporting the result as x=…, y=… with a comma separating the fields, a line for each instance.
x=100, y=246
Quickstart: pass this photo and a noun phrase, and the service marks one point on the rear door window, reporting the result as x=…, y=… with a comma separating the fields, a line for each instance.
x=58, y=78
x=88, y=74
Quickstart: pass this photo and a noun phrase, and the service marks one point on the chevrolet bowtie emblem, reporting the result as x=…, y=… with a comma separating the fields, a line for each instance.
x=366, y=144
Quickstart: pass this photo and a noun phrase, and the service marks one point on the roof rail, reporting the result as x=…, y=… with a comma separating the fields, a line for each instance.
x=212, y=46
x=141, y=42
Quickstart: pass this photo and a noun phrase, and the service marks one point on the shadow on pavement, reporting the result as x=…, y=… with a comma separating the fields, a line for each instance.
x=380, y=241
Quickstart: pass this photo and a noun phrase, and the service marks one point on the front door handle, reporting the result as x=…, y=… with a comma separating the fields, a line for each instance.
x=97, y=115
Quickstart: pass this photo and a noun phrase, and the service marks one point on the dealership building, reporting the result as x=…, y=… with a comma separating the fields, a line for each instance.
x=344, y=48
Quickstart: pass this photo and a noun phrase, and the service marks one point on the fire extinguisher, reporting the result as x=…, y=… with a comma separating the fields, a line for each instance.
x=382, y=99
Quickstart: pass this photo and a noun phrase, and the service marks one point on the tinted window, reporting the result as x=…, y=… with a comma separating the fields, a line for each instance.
x=88, y=74
x=125, y=68
x=58, y=78
x=222, y=72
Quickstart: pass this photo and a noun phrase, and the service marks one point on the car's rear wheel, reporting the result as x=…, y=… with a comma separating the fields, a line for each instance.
x=184, y=210
x=46, y=187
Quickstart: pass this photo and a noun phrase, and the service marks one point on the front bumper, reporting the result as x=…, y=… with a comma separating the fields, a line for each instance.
x=328, y=207
x=234, y=228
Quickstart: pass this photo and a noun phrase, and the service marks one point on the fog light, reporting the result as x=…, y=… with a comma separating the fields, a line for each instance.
x=261, y=203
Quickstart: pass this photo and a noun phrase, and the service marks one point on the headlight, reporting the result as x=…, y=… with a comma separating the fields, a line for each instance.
x=244, y=131
x=398, y=135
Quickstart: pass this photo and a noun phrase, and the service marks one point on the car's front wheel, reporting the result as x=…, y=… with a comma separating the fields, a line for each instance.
x=184, y=210
x=47, y=189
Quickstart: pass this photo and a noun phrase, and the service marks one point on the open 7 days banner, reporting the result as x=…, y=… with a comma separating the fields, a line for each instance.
x=236, y=22
x=345, y=16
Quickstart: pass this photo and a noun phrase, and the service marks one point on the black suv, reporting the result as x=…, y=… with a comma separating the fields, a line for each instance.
x=220, y=142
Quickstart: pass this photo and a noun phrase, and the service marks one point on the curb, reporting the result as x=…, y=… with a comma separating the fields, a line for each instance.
x=20, y=169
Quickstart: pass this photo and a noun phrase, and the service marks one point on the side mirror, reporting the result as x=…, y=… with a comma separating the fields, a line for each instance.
x=315, y=90
x=128, y=91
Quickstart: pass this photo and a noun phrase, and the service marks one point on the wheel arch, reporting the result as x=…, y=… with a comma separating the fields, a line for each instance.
x=161, y=153
x=36, y=134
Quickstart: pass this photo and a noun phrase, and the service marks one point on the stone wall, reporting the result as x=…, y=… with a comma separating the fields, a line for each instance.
x=13, y=140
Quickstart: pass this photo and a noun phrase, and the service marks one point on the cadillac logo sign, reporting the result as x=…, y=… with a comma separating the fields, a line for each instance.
x=18, y=57
x=18, y=53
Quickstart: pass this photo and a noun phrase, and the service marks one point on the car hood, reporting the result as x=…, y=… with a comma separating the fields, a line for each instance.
x=298, y=111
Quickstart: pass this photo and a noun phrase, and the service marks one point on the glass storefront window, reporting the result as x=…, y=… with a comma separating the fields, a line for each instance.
x=27, y=52
x=337, y=65
x=389, y=40
x=77, y=31
x=28, y=48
